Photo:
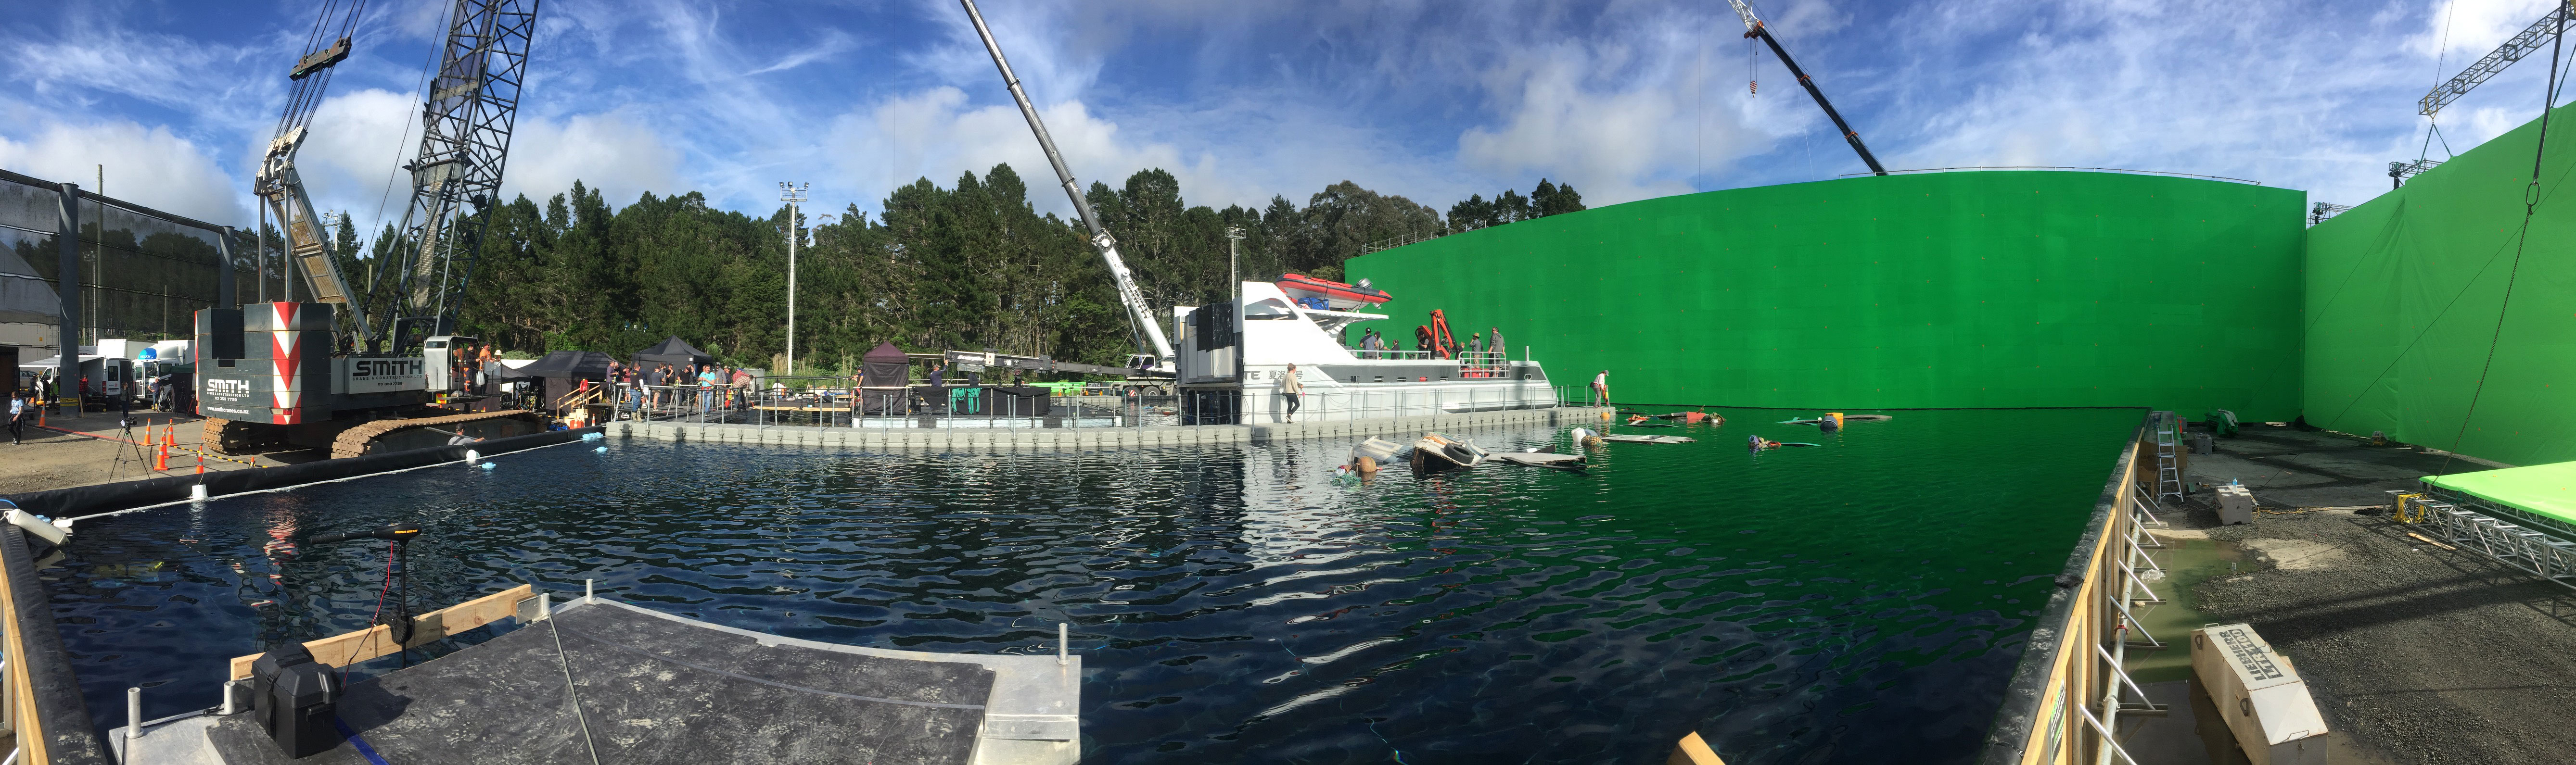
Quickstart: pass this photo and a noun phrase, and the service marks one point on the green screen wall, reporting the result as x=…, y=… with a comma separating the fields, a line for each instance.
x=2403, y=296
x=1967, y=289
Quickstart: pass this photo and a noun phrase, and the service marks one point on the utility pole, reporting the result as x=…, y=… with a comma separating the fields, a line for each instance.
x=98, y=261
x=793, y=195
x=1233, y=280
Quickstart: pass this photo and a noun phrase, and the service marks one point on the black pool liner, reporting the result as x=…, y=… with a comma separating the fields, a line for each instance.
x=79, y=501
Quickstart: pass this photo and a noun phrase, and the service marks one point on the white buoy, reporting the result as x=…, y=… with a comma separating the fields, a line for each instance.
x=472, y=457
x=197, y=492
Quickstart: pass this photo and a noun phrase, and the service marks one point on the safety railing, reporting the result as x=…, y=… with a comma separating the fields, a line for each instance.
x=2068, y=695
x=40, y=698
x=922, y=406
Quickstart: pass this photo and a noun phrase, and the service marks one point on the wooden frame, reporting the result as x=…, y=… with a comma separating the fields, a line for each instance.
x=352, y=647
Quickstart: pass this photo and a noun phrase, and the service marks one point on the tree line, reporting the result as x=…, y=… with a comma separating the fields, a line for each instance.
x=968, y=266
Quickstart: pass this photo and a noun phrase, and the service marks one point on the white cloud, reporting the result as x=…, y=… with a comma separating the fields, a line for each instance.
x=2198, y=86
x=2474, y=27
x=934, y=134
x=148, y=166
x=353, y=147
x=619, y=156
x=1622, y=120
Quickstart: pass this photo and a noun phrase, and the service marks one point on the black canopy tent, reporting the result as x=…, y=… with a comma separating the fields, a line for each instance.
x=886, y=370
x=674, y=350
x=563, y=372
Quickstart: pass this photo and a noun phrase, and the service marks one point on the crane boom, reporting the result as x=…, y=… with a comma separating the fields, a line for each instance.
x=1753, y=27
x=2532, y=38
x=466, y=123
x=1100, y=238
x=277, y=183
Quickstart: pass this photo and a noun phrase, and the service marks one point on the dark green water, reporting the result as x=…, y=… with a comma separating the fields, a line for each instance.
x=1860, y=601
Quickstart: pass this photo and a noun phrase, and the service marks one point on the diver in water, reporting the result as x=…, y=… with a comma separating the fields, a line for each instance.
x=1759, y=443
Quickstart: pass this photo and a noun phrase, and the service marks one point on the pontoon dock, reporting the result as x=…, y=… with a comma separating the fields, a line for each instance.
x=602, y=681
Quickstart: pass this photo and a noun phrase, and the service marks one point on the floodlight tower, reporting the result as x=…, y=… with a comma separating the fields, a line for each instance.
x=794, y=195
x=1233, y=279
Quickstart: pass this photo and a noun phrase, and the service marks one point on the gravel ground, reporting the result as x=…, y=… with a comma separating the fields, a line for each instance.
x=2418, y=654
x=52, y=459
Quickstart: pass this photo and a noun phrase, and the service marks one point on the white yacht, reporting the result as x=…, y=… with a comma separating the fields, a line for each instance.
x=1229, y=367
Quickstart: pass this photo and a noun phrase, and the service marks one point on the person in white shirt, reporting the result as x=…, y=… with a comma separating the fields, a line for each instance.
x=17, y=415
x=1601, y=386
x=1293, y=389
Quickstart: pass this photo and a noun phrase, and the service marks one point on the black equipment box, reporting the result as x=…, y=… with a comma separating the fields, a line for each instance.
x=296, y=700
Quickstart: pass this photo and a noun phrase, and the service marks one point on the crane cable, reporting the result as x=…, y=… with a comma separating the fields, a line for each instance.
x=420, y=94
x=2530, y=207
x=2441, y=55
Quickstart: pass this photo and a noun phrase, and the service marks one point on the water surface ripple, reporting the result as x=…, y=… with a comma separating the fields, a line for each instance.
x=1858, y=601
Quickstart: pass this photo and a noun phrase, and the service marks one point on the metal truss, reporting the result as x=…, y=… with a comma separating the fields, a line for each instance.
x=466, y=123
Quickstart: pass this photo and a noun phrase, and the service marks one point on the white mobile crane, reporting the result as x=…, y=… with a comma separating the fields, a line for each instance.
x=1160, y=358
x=285, y=371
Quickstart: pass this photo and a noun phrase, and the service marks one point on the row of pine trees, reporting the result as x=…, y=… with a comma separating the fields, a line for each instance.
x=968, y=266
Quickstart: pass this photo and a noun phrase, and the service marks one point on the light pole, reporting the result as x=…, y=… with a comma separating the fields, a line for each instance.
x=793, y=195
x=1233, y=281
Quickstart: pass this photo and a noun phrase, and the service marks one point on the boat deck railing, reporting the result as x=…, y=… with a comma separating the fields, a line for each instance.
x=1471, y=364
x=921, y=406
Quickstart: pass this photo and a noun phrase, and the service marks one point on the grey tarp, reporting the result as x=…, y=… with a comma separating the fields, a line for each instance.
x=25, y=298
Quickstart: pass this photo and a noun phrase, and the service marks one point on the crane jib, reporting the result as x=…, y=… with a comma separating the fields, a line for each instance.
x=1160, y=344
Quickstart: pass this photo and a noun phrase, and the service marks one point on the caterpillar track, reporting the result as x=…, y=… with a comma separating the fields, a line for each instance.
x=238, y=438
x=355, y=441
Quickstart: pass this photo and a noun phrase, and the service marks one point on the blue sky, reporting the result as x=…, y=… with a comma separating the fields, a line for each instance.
x=1626, y=99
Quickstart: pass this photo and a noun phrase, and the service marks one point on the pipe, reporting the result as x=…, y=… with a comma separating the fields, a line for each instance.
x=1063, y=635
x=133, y=716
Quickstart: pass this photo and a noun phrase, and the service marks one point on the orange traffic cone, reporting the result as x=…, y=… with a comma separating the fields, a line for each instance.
x=201, y=464
x=161, y=458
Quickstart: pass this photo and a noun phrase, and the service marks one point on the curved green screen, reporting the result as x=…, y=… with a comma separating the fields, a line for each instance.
x=1967, y=289
x=2403, y=294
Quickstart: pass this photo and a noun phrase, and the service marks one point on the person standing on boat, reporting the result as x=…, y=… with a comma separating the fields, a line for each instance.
x=1293, y=390
x=1497, y=344
x=1601, y=386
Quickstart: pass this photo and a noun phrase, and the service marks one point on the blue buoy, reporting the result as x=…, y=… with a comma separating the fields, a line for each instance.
x=602, y=450
x=591, y=436
x=487, y=466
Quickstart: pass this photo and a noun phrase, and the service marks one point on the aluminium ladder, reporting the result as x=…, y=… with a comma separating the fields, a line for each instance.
x=2168, y=434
